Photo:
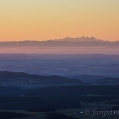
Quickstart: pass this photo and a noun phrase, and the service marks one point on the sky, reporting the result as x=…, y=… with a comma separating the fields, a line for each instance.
x=54, y=19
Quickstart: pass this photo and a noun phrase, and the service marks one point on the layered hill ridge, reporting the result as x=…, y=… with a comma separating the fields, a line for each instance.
x=29, y=80
x=22, y=79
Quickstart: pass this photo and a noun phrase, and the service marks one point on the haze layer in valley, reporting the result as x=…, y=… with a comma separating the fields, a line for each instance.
x=62, y=65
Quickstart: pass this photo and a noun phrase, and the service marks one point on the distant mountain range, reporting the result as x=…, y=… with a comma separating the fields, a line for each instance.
x=82, y=39
x=66, y=42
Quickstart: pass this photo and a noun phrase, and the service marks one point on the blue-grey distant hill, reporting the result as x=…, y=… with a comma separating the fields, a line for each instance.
x=66, y=42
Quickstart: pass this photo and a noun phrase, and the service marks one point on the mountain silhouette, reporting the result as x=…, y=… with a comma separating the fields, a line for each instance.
x=66, y=42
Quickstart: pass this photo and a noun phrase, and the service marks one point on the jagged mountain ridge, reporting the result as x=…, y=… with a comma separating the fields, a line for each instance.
x=66, y=42
x=82, y=39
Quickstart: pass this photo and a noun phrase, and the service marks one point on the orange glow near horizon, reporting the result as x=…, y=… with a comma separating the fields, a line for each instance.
x=44, y=20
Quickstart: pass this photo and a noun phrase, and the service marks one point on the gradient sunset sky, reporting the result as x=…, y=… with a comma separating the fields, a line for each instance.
x=53, y=19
